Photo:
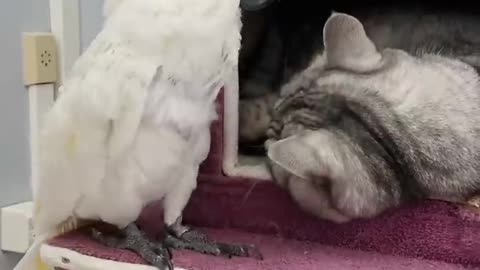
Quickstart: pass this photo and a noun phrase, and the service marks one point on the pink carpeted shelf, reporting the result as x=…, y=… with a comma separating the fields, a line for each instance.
x=432, y=230
x=280, y=254
x=428, y=235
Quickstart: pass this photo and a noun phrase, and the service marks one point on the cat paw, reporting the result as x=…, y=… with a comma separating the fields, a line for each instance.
x=474, y=202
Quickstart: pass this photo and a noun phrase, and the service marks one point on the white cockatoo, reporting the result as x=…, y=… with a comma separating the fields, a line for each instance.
x=132, y=124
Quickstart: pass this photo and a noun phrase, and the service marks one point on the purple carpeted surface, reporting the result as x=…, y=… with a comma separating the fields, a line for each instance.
x=279, y=254
x=432, y=234
x=433, y=230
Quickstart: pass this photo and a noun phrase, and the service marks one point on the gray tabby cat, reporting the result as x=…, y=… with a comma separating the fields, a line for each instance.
x=259, y=66
x=367, y=127
x=411, y=29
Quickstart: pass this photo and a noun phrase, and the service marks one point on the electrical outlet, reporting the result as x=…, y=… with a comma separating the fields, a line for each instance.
x=39, y=58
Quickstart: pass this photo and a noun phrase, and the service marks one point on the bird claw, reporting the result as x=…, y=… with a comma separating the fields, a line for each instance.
x=254, y=252
x=155, y=253
x=194, y=236
x=194, y=244
x=107, y=240
x=162, y=263
x=240, y=250
x=158, y=254
x=199, y=242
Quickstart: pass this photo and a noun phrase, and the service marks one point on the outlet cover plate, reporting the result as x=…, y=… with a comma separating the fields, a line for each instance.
x=39, y=58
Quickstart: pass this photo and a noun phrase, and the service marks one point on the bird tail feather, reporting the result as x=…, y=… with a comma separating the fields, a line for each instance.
x=32, y=259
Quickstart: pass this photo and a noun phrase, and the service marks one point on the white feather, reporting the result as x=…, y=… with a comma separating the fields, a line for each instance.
x=132, y=125
x=109, y=6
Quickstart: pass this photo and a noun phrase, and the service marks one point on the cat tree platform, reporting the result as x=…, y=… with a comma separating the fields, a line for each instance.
x=235, y=202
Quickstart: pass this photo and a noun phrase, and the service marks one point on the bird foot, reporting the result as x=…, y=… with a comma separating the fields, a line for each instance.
x=155, y=253
x=197, y=241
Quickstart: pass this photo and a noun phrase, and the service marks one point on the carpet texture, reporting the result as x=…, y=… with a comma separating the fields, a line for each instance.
x=430, y=231
x=279, y=254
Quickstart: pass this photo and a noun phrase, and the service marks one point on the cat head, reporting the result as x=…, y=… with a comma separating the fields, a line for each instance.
x=292, y=146
x=346, y=47
x=351, y=63
x=309, y=159
x=358, y=114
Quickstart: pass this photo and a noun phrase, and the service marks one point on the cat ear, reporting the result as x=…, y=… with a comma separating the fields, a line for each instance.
x=294, y=155
x=347, y=45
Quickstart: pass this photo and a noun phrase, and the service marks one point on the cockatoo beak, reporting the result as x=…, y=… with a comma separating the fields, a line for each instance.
x=253, y=5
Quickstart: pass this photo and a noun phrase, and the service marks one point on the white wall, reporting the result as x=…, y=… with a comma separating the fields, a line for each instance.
x=91, y=20
x=16, y=16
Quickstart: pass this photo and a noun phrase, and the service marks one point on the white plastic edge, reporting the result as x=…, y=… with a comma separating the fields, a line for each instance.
x=41, y=98
x=72, y=260
x=231, y=167
x=65, y=26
